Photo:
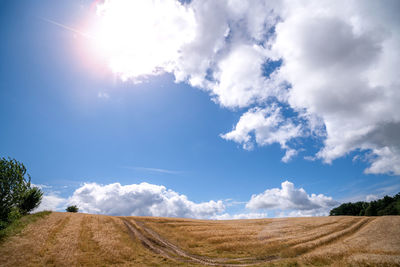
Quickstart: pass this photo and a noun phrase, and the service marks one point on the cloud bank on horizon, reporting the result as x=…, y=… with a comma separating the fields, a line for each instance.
x=297, y=69
x=146, y=199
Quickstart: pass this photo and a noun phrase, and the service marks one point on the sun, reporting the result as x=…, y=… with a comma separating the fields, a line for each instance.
x=140, y=38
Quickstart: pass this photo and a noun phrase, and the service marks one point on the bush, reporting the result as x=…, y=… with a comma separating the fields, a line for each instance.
x=73, y=208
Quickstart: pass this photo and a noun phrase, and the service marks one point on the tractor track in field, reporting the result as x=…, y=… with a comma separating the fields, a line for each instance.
x=159, y=245
x=302, y=248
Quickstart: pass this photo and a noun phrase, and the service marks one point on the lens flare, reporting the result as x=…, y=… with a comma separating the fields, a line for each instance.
x=140, y=38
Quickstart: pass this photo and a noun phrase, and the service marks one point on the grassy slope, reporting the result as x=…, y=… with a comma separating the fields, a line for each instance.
x=62, y=239
x=18, y=225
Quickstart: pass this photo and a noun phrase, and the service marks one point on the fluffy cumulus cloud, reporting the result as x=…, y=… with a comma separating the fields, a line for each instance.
x=339, y=58
x=265, y=126
x=51, y=201
x=291, y=201
x=338, y=71
x=146, y=199
x=241, y=216
x=140, y=200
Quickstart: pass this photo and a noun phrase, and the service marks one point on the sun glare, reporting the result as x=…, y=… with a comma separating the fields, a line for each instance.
x=139, y=38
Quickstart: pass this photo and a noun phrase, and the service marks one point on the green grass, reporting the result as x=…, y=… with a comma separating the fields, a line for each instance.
x=18, y=225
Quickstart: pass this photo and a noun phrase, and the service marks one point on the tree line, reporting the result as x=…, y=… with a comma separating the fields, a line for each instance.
x=384, y=206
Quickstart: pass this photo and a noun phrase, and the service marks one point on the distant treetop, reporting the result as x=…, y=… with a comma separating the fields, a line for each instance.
x=73, y=208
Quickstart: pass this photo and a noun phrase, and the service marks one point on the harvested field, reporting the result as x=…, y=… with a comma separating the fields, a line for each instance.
x=63, y=239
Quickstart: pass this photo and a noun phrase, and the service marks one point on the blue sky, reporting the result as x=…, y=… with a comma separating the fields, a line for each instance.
x=73, y=121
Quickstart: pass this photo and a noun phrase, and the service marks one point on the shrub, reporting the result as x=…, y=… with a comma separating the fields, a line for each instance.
x=73, y=208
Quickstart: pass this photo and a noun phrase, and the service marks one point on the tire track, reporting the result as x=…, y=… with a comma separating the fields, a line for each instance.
x=183, y=253
x=147, y=243
x=52, y=237
x=325, y=240
x=339, y=227
x=161, y=246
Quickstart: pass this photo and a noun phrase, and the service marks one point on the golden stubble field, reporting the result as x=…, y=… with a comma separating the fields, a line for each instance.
x=66, y=239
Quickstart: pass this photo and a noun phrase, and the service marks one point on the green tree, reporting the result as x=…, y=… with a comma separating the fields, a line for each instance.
x=371, y=209
x=73, y=208
x=16, y=195
x=31, y=199
x=381, y=207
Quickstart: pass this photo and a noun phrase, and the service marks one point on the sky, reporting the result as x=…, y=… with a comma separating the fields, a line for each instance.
x=205, y=109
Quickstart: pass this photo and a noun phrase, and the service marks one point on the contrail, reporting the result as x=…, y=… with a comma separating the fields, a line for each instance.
x=67, y=28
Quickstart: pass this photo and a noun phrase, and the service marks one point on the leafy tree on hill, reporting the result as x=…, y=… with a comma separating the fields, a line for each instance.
x=385, y=206
x=31, y=199
x=73, y=208
x=17, y=197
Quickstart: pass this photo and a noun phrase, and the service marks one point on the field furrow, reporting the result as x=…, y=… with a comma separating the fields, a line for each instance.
x=65, y=239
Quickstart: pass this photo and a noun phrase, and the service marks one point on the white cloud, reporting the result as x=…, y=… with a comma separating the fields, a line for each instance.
x=240, y=216
x=146, y=199
x=213, y=45
x=301, y=213
x=385, y=160
x=52, y=202
x=291, y=201
x=211, y=30
x=239, y=77
x=371, y=197
x=339, y=66
x=140, y=200
x=268, y=126
x=41, y=186
x=336, y=59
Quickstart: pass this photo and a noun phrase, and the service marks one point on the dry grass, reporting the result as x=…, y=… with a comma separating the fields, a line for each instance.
x=376, y=244
x=250, y=238
x=65, y=239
